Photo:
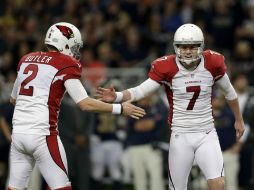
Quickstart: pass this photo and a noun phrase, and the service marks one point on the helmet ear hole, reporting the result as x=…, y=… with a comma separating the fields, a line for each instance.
x=67, y=47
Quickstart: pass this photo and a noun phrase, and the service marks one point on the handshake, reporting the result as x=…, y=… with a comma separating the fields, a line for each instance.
x=126, y=108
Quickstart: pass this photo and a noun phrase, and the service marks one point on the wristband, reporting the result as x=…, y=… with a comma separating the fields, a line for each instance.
x=119, y=97
x=117, y=109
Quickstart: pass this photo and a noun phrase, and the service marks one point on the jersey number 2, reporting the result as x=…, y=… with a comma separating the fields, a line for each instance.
x=30, y=90
x=196, y=90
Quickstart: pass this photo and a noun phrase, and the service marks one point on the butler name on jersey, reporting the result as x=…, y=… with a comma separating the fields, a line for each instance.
x=39, y=75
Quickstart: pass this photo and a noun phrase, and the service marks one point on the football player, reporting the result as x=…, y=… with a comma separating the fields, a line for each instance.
x=188, y=77
x=43, y=78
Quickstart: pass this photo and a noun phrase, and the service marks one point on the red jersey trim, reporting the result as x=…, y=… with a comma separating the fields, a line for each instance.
x=56, y=93
x=54, y=151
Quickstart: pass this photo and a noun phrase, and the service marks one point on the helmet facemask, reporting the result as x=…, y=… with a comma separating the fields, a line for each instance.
x=75, y=50
x=188, y=52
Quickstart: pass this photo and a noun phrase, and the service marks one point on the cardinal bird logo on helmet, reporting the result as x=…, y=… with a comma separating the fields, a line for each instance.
x=66, y=31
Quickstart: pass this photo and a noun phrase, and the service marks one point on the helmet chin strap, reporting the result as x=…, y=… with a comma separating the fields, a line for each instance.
x=188, y=61
x=189, y=64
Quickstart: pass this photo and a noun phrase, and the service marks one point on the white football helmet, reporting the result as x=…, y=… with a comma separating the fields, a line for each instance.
x=189, y=34
x=66, y=38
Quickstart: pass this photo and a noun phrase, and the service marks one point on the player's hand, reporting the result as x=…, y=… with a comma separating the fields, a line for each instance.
x=13, y=101
x=239, y=127
x=132, y=111
x=106, y=94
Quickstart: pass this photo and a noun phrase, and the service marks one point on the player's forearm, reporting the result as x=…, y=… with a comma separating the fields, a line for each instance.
x=234, y=105
x=13, y=101
x=14, y=92
x=126, y=95
x=5, y=129
x=80, y=96
x=138, y=92
x=93, y=105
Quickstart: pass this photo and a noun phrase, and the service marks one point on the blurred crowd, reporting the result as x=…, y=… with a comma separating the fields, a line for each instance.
x=123, y=34
x=126, y=33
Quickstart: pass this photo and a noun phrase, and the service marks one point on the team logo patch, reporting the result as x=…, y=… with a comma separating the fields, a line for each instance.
x=66, y=31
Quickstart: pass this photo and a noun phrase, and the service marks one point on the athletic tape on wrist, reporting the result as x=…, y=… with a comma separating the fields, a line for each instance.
x=117, y=109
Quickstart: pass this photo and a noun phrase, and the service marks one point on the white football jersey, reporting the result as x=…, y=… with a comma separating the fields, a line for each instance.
x=40, y=80
x=189, y=92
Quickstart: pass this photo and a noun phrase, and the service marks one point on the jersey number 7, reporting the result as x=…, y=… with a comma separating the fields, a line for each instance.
x=30, y=90
x=196, y=90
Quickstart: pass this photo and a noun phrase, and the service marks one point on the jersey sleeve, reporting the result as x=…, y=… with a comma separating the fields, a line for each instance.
x=163, y=69
x=216, y=65
x=71, y=72
x=75, y=90
x=156, y=71
x=226, y=86
x=221, y=68
x=14, y=91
